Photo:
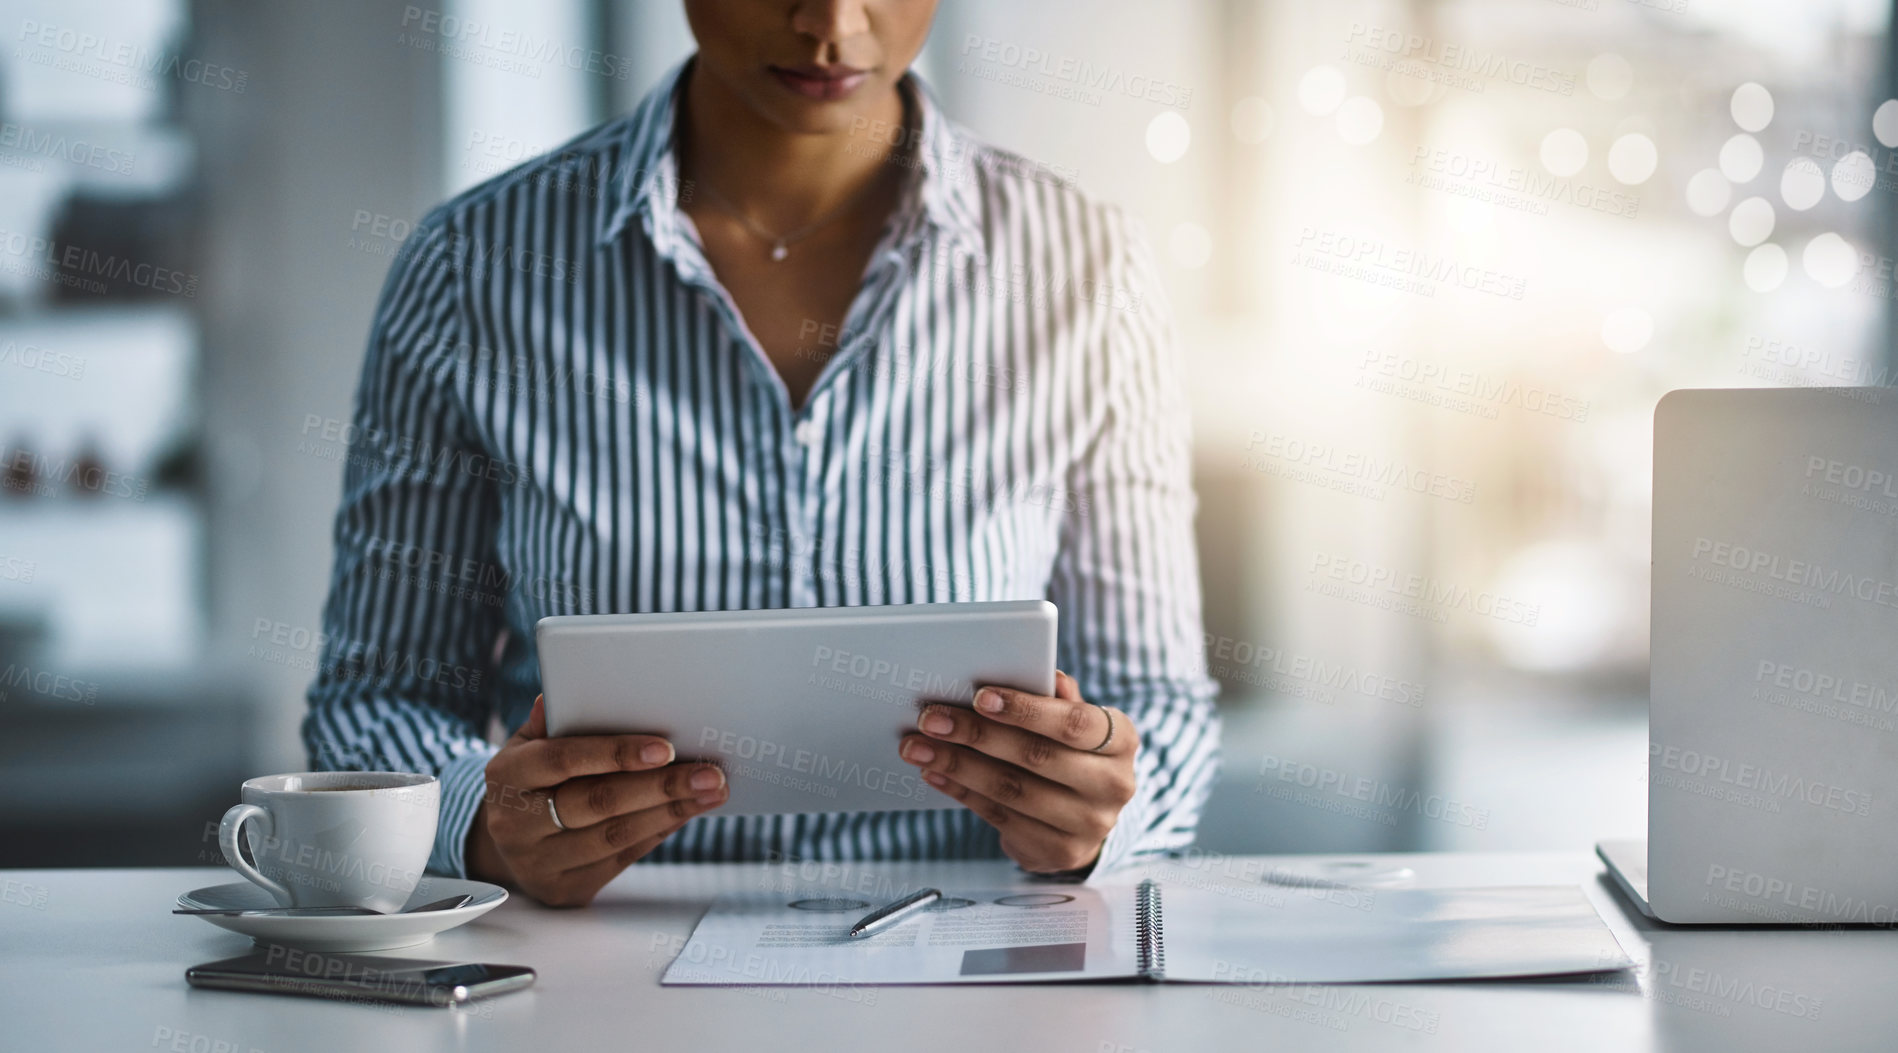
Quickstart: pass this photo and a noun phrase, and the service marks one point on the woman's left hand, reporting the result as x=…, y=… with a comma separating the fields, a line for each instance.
x=1033, y=767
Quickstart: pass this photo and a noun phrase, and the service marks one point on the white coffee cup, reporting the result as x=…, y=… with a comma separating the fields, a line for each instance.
x=335, y=838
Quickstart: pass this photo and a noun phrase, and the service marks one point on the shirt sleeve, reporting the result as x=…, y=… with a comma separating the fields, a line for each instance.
x=1126, y=579
x=414, y=608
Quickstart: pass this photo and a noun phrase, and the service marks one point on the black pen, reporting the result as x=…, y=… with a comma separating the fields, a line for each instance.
x=884, y=917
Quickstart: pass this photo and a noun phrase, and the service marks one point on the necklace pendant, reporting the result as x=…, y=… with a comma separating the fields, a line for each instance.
x=778, y=251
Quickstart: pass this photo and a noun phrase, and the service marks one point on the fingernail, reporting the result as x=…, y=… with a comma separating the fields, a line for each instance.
x=710, y=798
x=657, y=753
x=989, y=701
x=706, y=779
x=918, y=751
x=934, y=779
x=937, y=723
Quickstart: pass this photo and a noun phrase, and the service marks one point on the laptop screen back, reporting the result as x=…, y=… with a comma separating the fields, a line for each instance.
x=1773, y=749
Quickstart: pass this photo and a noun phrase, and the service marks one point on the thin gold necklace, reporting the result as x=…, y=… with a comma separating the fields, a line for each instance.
x=781, y=243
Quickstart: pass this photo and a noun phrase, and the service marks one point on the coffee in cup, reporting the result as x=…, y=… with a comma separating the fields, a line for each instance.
x=334, y=838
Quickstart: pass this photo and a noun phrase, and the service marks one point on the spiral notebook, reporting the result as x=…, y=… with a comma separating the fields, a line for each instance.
x=1152, y=930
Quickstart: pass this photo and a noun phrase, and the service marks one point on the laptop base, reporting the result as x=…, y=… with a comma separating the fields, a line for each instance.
x=1628, y=864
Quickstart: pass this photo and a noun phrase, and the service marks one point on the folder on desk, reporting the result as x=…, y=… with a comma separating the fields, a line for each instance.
x=1157, y=931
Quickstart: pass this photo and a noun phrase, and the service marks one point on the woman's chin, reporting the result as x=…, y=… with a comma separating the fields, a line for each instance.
x=798, y=111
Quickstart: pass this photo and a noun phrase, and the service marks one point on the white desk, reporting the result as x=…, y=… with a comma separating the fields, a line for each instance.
x=99, y=964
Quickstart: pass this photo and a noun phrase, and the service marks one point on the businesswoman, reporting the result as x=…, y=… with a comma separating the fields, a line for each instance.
x=782, y=337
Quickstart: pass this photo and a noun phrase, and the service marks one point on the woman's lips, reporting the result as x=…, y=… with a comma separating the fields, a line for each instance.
x=819, y=83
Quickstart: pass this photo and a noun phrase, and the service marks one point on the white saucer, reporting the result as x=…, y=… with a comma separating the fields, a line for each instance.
x=367, y=932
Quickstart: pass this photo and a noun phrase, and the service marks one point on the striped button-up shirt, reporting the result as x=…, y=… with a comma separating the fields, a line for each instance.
x=561, y=411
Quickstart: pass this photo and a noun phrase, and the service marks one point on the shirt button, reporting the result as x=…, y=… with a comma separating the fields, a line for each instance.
x=805, y=432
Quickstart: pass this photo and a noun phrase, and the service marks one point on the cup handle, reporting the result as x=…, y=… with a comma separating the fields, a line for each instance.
x=227, y=842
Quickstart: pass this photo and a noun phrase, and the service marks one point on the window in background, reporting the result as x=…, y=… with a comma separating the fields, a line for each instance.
x=517, y=81
x=1434, y=264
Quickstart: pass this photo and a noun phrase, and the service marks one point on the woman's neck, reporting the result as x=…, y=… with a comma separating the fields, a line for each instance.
x=780, y=178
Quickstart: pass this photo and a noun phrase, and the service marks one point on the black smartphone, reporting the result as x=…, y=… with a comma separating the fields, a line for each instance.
x=360, y=977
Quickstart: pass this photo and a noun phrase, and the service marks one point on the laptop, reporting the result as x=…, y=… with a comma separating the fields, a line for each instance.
x=1773, y=688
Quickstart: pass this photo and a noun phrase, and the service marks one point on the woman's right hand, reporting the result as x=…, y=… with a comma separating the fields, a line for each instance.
x=618, y=795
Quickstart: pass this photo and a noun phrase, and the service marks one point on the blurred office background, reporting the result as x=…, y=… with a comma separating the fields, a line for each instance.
x=1434, y=261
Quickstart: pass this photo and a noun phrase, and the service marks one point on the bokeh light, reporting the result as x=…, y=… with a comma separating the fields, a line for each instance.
x=1627, y=330
x=1708, y=192
x=1321, y=90
x=1751, y=221
x=1632, y=158
x=1168, y=136
x=1564, y=152
x=1885, y=122
x=1741, y=158
x=1765, y=268
x=1802, y=184
x=1854, y=176
x=1830, y=260
x=1751, y=106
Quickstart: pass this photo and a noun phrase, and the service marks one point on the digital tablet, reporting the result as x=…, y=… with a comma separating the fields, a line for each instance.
x=803, y=708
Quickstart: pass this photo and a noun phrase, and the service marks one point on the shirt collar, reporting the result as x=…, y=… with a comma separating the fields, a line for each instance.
x=951, y=195
x=647, y=185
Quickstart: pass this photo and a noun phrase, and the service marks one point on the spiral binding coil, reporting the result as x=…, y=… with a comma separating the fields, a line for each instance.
x=1149, y=931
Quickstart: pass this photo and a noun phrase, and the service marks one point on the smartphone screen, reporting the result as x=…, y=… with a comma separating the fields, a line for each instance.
x=409, y=981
